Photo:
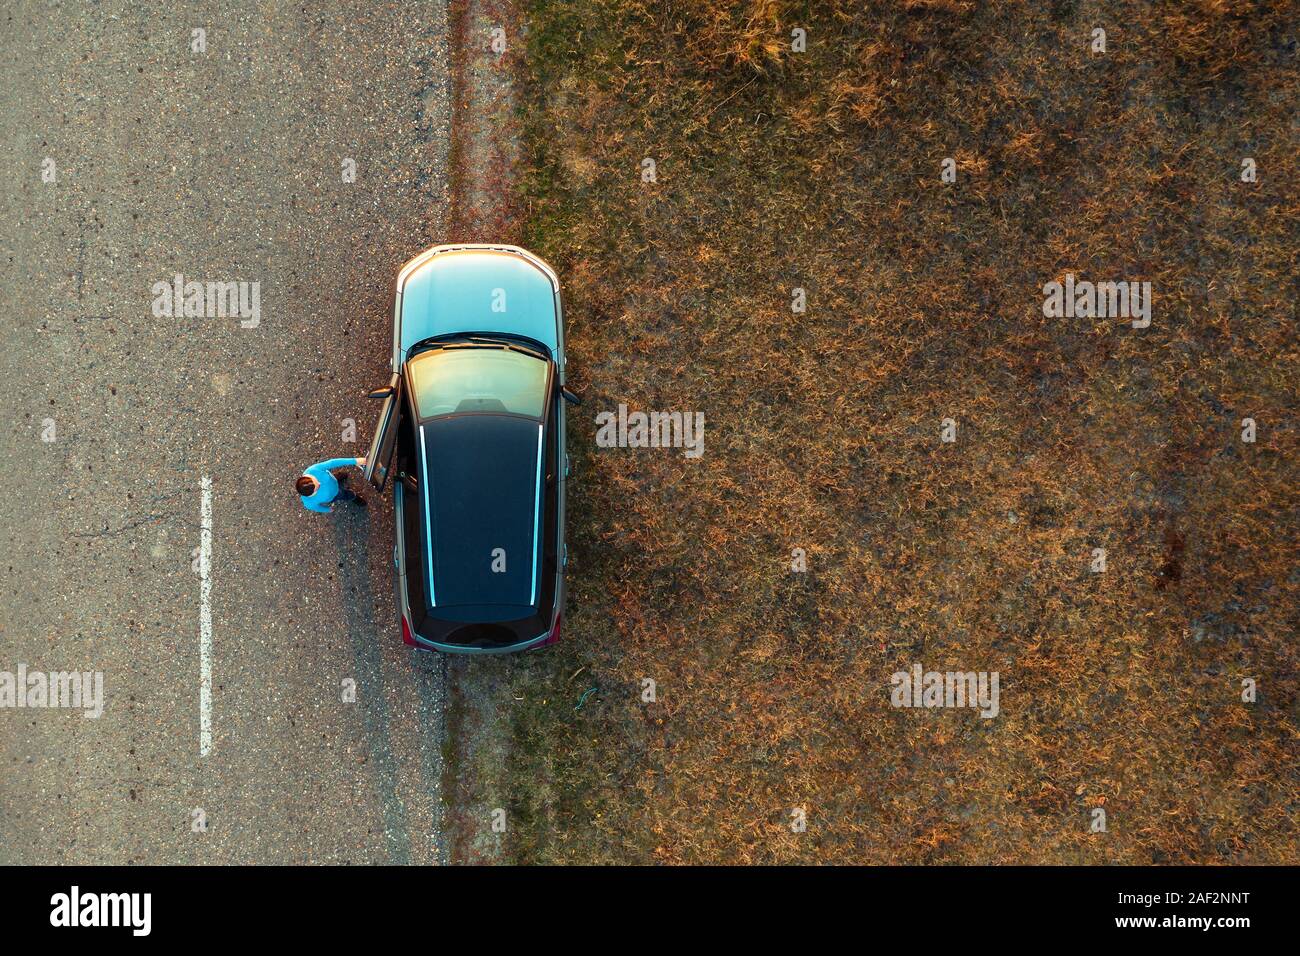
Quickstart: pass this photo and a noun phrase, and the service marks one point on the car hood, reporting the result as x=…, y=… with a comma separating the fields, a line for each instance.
x=478, y=291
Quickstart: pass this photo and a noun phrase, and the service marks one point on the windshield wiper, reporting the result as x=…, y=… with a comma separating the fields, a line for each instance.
x=527, y=351
x=464, y=342
x=507, y=343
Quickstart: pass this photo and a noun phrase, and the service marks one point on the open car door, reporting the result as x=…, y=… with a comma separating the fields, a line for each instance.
x=380, y=459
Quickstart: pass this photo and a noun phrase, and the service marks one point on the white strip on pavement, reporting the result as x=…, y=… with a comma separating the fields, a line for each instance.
x=205, y=617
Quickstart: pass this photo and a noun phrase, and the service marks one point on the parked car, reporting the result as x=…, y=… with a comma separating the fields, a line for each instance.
x=471, y=434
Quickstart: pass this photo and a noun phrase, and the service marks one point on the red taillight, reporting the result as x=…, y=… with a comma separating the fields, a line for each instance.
x=407, y=636
x=555, y=632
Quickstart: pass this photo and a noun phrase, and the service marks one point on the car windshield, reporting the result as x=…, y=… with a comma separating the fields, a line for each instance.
x=477, y=379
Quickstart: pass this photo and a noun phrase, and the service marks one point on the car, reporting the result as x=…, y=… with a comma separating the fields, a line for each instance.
x=471, y=436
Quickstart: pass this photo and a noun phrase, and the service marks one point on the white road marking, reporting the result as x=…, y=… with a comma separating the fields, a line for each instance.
x=205, y=617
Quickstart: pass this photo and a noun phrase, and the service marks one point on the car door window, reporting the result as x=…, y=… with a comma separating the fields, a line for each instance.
x=380, y=459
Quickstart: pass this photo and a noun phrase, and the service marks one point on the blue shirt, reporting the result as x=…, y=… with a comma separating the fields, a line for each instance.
x=329, y=485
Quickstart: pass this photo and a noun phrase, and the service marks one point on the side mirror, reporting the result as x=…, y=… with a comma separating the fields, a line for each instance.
x=569, y=395
x=380, y=392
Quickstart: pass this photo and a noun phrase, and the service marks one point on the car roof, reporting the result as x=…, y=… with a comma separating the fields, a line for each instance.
x=481, y=474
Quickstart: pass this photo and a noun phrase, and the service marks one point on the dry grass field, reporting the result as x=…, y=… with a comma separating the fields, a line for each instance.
x=821, y=170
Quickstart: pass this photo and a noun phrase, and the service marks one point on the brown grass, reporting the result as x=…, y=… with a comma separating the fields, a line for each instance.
x=821, y=170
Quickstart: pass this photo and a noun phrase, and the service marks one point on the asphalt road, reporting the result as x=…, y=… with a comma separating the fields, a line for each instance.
x=224, y=165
